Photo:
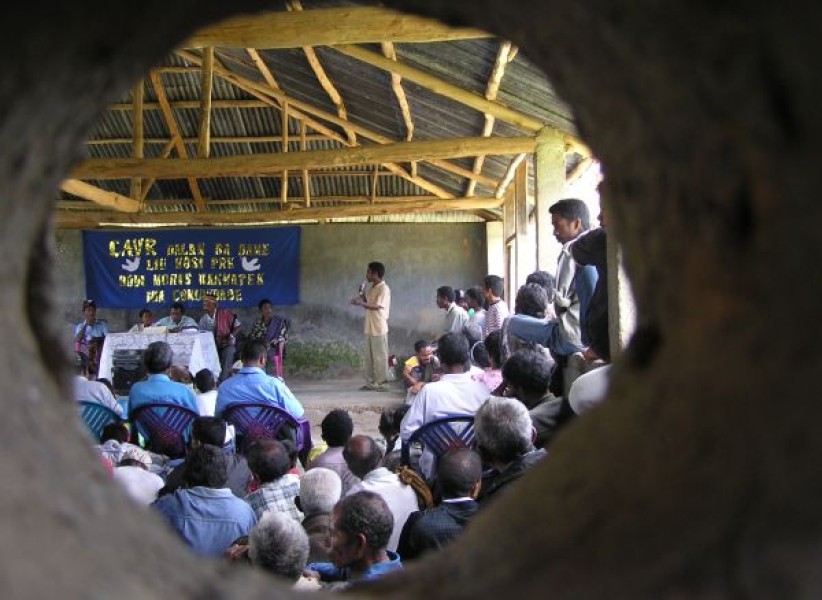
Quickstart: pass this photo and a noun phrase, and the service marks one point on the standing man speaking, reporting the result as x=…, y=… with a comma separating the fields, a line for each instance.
x=376, y=301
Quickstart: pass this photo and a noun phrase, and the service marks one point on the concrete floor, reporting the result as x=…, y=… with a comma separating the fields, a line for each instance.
x=319, y=397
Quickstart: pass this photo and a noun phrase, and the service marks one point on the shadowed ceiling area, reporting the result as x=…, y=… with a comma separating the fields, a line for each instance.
x=320, y=111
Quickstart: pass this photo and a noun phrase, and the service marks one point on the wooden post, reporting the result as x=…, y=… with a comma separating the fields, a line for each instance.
x=207, y=81
x=137, y=147
x=524, y=245
x=549, y=163
x=306, y=177
x=284, y=131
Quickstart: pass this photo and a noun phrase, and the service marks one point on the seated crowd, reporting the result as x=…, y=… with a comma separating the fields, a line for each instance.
x=499, y=385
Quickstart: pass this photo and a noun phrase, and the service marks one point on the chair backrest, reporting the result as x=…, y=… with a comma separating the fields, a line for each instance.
x=441, y=435
x=260, y=421
x=96, y=417
x=165, y=427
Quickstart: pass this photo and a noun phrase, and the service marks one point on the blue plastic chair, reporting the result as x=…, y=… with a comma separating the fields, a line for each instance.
x=166, y=428
x=259, y=421
x=440, y=436
x=96, y=417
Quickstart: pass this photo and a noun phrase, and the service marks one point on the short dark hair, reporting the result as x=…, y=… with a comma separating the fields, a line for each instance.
x=531, y=300
x=115, y=431
x=493, y=345
x=263, y=302
x=390, y=419
x=337, y=427
x=366, y=513
x=89, y=303
x=209, y=430
x=378, y=268
x=205, y=466
x=253, y=350
x=362, y=455
x=458, y=471
x=495, y=284
x=546, y=280
x=528, y=369
x=179, y=306
x=475, y=294
x=420, y=344
x=571, y=209
x=157, y=357
x=452, y=349
x=268, y=460
x=446, y=292
x=204, y=381
x=143, y=311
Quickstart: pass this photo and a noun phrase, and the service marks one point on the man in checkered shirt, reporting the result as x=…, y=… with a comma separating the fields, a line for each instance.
x=269, y=462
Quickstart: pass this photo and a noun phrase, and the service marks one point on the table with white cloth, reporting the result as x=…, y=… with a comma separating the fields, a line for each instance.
x=195, y=350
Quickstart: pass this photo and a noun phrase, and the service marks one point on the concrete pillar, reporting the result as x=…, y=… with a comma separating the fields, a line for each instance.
x=549, y=166
x=495, y=244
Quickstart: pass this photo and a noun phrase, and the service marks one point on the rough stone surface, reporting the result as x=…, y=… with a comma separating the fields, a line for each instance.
x=700, y=475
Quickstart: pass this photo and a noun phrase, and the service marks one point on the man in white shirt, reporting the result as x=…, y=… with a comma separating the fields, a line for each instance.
x=363, y=457
x=92, y=391
x=456, y=393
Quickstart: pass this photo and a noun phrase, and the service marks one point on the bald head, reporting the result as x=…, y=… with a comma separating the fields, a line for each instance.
x=458, y=472
x=362, y=455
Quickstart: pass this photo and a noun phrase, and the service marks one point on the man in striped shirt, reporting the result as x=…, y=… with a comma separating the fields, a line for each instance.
x=493, y=286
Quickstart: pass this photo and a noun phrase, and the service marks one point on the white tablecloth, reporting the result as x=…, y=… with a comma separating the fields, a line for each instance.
x=192, y=350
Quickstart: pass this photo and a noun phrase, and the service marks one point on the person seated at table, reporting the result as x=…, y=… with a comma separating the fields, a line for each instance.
x=92, y=391
x=270, y=329
x=159, y=388
x=225, y=325
x=89, y=335
x=177, y=320
x=146, y=319
x=252, y=385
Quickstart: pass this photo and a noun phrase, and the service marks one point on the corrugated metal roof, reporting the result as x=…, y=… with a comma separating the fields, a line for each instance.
x=370, y=103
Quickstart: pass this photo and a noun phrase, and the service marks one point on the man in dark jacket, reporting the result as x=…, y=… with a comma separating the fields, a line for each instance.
x=210, y=431
x=458, y=478
x=504, y=434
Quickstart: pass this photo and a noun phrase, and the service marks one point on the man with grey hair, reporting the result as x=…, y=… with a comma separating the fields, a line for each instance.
x=504, y=435
x=279, y=545
x=320, y=490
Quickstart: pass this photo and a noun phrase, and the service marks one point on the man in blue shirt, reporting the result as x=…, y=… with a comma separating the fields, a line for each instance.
x=205, y=514
x=361, y=526
x=251, y=384
x=158, y=388
x=177, y=320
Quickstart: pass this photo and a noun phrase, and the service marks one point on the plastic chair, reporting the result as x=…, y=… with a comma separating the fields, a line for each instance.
x=440, y=436
x=259, y=421
x=96, y=417
x=165, y=427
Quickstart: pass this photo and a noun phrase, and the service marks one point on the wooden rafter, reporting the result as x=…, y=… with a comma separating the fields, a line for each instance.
x=137, y=138
x=207, y=82
x=399, y=92
x=171, y=122
x=240, y=139
x=261, y=91
x=323, y=78
x=504, y=56
x=284, y=129
x=323, y=27
x=444, y=88
x=146, y=184
x=273, y=89
x=306, y=177
x=90, y=219
x=509, y=176
x=266, y=164
x=100, y=196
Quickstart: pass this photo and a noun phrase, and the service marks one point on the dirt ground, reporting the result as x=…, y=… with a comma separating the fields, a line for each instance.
x=319, y=397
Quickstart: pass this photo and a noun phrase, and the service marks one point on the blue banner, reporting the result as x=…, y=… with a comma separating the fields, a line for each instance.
x=137, y=268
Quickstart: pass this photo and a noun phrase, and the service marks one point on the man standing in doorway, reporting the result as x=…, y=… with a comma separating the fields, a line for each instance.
x=376, y=301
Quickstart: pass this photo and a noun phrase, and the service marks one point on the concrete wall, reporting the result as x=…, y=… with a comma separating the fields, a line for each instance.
x=326, y=330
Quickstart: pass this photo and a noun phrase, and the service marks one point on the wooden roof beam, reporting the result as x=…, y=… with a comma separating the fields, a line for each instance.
x=325, y=27
x=258, y=89
x=176, y=137
x=399, y=93
x=268, y=164
x=100, y=196
x=206, y=85
x=91, y=219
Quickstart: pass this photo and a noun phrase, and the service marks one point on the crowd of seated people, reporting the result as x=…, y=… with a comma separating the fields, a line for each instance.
x=366, y=505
